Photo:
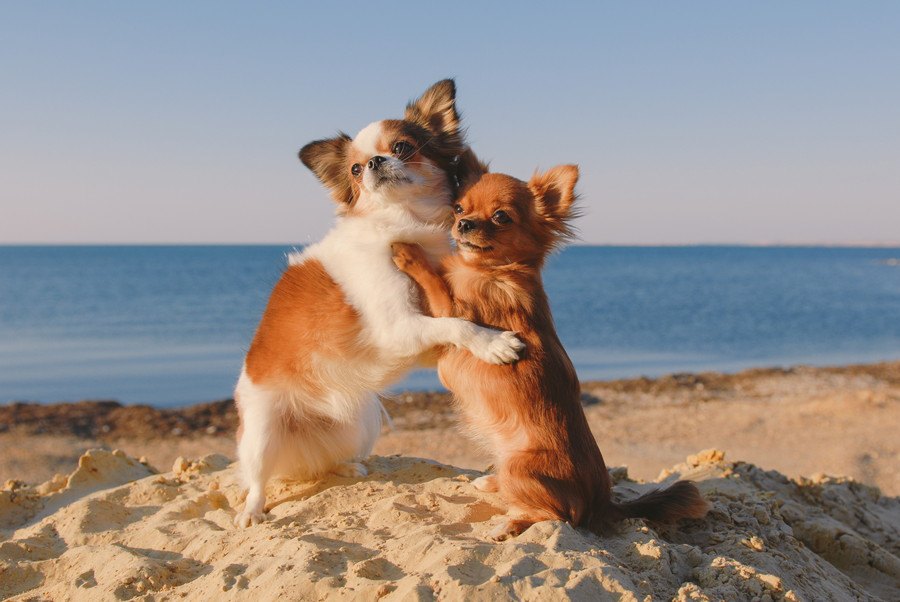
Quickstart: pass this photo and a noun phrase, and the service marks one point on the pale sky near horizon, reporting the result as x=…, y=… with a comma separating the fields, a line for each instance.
x=693, y=122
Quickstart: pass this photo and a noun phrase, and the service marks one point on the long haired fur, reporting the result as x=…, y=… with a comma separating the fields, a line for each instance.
x=342, y=323
x=528, y=414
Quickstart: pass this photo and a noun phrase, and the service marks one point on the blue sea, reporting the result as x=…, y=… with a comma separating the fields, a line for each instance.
x=169, y=325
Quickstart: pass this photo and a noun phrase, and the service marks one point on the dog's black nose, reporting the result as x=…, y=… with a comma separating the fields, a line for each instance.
x=466, y=225
x=375, y=161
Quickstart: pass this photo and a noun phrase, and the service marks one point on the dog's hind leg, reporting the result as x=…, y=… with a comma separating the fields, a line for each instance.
x=351, y=470
x=510, y=527
x=487, y=483
x=363, y=432
x=258, y=449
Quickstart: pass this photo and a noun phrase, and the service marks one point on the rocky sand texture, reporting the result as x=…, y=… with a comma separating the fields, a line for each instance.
x=417, y=530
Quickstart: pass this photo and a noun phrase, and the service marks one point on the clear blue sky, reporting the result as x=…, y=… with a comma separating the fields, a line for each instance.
x=692, y=122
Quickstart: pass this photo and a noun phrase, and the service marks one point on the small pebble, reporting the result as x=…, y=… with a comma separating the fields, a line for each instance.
x=180, y=465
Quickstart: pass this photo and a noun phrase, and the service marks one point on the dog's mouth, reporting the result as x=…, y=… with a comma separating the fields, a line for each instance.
x=383, y=180
x=473, y=247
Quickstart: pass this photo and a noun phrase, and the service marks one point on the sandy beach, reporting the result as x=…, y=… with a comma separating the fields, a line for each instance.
x=147, y=513
x=416, y=529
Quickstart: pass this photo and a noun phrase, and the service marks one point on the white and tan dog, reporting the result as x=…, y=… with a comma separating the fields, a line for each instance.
x=343, y=323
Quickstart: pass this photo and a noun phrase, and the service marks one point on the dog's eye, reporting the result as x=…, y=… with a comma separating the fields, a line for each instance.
x=501, y=217
x=356, y=169
x=401, y=148
x=457, y=208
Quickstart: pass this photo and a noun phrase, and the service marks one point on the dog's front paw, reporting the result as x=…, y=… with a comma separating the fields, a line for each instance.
x=499, y=348
x=407, y=256
x=246, y=518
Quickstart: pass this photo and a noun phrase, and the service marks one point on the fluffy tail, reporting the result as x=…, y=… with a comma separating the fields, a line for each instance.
x=681, y=500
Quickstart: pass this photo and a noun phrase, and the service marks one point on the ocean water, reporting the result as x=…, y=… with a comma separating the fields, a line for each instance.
x=169, y=325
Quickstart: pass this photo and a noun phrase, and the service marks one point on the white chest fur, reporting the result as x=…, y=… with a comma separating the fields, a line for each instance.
x=357, y=254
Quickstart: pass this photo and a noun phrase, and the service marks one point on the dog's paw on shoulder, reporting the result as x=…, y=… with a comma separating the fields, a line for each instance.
x=500, y=348
x=407, y=255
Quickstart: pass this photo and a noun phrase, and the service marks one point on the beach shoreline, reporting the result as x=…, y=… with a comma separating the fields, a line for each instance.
x=801, y=421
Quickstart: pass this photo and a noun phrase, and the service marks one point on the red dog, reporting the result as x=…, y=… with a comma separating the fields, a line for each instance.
x=548, y=465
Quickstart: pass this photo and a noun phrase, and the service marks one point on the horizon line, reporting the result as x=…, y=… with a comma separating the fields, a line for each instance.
x=763, y=244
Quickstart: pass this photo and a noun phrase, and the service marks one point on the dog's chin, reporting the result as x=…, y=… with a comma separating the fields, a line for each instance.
x=427, y=204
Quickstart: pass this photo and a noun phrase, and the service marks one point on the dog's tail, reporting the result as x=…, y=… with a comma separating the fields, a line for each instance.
x=681, y=500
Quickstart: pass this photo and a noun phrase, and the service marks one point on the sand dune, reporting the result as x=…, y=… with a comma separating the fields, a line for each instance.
x=416, y=529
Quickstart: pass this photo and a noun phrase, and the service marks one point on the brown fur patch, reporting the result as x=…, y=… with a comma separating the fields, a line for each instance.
x=307, y=314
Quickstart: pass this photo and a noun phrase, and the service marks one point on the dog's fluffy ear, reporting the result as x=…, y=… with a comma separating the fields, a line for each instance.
x=328, y=160
x=554, y=197
x=468, y=170
x=435, y=110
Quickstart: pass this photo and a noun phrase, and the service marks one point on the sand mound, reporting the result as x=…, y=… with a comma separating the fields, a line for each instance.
x=415, y=529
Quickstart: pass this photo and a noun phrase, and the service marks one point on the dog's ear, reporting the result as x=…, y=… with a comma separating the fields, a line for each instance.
x=435, y=110
x=554, y=197
x=469, y=169
x=328, y=160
